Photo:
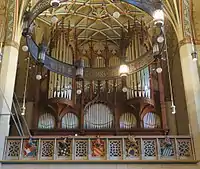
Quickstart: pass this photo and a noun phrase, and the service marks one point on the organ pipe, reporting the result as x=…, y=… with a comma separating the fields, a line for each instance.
x=59, y=85
x=99, y=62
x=98, y=116
x=140, y=86
x=46, y=121
x=114, y=61
x=69, y=121
x=137, y=83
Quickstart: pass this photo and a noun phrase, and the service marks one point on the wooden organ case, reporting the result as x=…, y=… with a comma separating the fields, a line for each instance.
x=107, y=105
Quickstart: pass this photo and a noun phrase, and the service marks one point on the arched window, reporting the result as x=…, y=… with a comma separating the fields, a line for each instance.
x=127, y=121
x=98, y=116
x=69, y=121
x=46, y=121
x=151, y=120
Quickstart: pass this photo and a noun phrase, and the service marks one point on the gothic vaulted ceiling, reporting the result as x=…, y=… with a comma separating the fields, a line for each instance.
x=95, y=19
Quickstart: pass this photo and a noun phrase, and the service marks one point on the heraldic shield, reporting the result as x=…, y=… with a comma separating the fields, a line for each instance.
x=98, y=147
x=132, y=147
x=30, y=148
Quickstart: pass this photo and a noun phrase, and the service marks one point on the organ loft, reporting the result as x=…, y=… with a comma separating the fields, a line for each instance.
x=99, y=81
x=96, y=71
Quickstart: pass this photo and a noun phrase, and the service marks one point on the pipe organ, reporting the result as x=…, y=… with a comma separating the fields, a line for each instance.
x=69, y=121
x=128, y=121
x=99, y=62
x=108, y=106
x=139, y=84
x=46, y=121
x=60, y=86
x=98, y=116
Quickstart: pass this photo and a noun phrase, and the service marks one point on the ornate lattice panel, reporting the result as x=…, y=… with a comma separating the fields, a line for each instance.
x=132, y=149
x=47, y=149
x=184, y=149
x=64, y=149
x=30, y=149
x=149, y=149
x=81, y=149
x=13, y=149
x=115, y=149
x=167, y=148
x=98, y=148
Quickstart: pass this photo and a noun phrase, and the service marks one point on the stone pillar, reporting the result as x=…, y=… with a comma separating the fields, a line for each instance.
x=192, y=93
x=9, y=65
x=7, y=81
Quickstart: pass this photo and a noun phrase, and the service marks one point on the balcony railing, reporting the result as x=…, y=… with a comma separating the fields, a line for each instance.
x=113, y=148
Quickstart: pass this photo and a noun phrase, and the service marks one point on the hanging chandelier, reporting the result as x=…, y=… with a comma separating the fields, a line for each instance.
x=158, y=16
x=123, y=70
x=55, y=3
x=79, y=64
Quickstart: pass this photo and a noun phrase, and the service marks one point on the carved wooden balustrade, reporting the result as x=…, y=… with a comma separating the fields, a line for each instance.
x=108, y=148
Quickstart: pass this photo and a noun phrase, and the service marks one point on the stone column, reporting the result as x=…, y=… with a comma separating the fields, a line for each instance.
x=8, y=67
x=192, y=93
x=7, y=81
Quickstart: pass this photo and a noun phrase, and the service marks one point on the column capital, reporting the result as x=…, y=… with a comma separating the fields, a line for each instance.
x=12, y=43
x=187, y=40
